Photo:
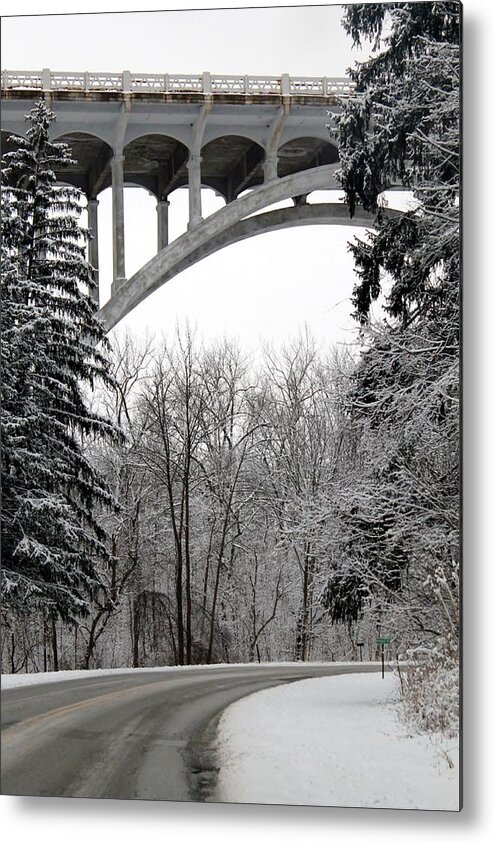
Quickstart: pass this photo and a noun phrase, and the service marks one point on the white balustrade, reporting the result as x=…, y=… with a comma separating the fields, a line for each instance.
x=341, y=86
x=184, y=84
x=68, y=81
x=305, y=85
x=298, y=86
x=263, y=85
x=105, y=81
x=228, y=84
x=21, y=79
x=150, y=82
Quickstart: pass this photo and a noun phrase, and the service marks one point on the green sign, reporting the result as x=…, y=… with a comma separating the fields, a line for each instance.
x=384, y=640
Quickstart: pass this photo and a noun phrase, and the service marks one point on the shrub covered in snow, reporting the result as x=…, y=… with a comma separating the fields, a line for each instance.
x=431, y=691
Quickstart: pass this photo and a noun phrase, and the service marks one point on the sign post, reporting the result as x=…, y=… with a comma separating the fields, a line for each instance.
x=382, y=642
x=360, y=644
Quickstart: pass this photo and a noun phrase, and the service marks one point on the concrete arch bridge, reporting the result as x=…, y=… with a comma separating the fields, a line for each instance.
x=264, y=135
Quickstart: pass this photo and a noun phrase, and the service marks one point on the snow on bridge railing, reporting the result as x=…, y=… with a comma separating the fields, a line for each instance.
x=167, y=83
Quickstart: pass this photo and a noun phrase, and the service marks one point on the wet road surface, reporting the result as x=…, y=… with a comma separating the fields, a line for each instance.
x=142, y=735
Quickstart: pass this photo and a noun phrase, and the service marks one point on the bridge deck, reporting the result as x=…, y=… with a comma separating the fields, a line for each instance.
x=143, y=84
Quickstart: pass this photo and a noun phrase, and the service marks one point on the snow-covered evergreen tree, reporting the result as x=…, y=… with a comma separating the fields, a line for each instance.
x=403, y=128
x=53, y=349
x=400, y=503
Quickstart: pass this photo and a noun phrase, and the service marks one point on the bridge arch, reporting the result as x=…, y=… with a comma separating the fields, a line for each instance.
x=232, y=163
x=217, y=230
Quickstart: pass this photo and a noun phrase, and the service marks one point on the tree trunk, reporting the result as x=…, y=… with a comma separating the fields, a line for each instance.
x=135, y=636
x=54, y=644
x=188, y=589
x=179, y=606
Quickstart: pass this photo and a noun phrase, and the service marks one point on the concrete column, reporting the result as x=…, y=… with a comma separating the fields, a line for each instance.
x=270, y=167
x=46, y=84
x=285, y=85
x=92, y=251
x=117, y=183
x=195, y=211
x=162, y=216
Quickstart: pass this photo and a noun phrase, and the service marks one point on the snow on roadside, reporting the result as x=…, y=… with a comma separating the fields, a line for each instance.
x=16, y=680
x=332, y=741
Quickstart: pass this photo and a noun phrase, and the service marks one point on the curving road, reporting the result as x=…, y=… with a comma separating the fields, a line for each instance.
x=142, y=735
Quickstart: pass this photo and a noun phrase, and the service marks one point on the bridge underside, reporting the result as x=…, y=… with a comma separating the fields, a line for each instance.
x=229, y=164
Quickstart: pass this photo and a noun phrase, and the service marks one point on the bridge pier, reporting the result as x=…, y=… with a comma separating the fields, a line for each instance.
x=195, y=209
x=93, y=251
x=270, y=167
x=118, y=221
x=162, y=217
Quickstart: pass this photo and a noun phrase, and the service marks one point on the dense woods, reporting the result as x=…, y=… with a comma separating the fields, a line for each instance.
x=223, y=525
x=173, y=502
x=403, y=129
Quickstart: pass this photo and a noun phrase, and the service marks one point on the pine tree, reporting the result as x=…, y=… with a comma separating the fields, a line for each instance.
x=53, y=349
x=399, y=505
x=403, y=129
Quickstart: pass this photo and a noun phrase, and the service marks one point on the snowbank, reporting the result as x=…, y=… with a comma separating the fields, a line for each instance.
x=332, y=741
x=16, y=680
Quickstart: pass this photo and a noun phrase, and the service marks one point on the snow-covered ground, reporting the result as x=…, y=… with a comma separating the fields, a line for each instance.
x=332, y=741
x=15, y=680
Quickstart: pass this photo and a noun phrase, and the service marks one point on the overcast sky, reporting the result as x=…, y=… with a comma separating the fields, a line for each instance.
x=269, y=286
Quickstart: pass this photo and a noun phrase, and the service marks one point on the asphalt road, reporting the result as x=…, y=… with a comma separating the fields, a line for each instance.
x=129, y=736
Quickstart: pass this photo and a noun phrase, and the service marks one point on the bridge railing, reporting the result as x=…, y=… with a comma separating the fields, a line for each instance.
x=167, y=83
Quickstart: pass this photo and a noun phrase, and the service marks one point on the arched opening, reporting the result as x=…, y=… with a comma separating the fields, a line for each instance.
x=305, y=153
x=140, y=233
x=156, y=162
x=91, y=170
x=178, y=213
x=231, y=164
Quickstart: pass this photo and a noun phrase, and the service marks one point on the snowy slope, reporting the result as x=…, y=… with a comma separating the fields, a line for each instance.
x=332, y=741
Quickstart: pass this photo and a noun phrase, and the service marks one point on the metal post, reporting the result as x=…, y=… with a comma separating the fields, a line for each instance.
x=382, y=660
